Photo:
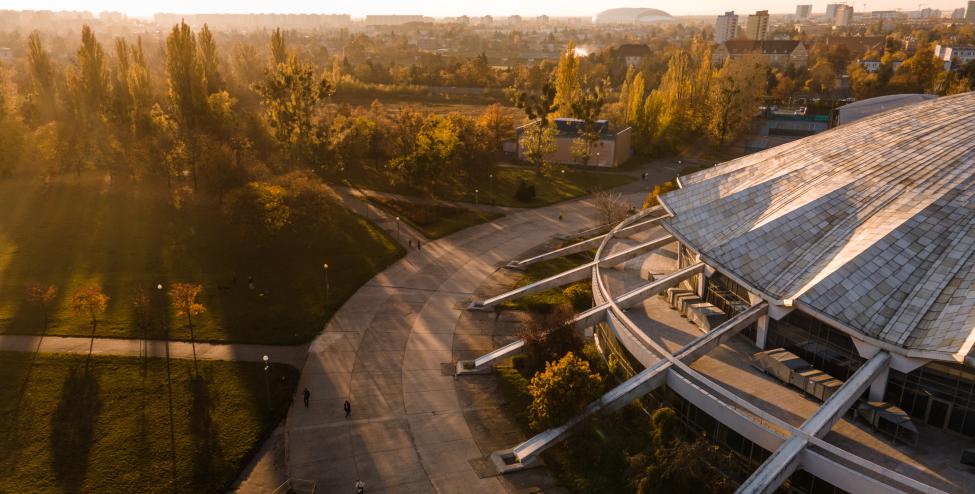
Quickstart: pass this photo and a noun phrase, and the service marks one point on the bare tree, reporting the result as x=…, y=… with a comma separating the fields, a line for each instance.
x=611, y=207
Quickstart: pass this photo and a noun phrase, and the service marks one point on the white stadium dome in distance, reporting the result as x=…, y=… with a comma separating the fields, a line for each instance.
x=631, y=15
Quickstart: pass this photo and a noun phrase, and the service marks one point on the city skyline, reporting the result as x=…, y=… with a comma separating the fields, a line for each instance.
x=443, y=8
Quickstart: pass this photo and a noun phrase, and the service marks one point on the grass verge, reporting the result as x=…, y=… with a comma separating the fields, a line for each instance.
x=128, y=239
x=434, y=221
x=549, y=189
x=105, y=427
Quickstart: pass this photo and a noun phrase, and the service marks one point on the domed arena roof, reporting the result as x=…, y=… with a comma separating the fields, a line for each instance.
x=635, y=15
x=869, y=226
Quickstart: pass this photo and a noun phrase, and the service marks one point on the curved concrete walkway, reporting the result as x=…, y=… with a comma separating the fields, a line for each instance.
x=388, y=351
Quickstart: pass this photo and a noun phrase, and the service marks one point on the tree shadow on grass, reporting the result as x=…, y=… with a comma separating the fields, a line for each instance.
x=73, y=427
x=209, y=466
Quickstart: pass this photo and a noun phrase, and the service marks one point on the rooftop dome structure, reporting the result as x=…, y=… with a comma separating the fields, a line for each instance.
x=869, y=226
x=631, y=15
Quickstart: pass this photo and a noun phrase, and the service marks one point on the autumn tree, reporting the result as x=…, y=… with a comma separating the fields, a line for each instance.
x=86, y=99
x=292, y=93
x=209, y=61
x=12, y=132
x=497, y=126
x=587, y=108
x=40, y=107
x=89, y=301
x=183, y=297
x=537, y=139
x=41, y=296
x=279, y=51
x=567, y=83
x=548, y=335
x=428, y=164
x=736, y=94
x=187, y=84
x=562, y=391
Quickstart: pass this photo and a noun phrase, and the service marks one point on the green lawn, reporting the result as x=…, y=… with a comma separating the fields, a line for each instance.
x=107, y=428
x=549, y=189
x=78, y=231
x=434, y=221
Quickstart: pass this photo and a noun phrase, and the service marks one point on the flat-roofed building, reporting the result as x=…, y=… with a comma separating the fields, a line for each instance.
x=612, y=148
x=803, y=12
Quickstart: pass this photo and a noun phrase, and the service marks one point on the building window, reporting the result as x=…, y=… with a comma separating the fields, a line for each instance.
x=824, y=347
x=939, y=394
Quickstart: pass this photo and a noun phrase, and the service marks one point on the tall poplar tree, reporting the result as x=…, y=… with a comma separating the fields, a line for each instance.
x=567, y=85
x=41, y=107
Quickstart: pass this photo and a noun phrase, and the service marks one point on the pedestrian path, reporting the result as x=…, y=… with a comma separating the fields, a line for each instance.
x=291, y=355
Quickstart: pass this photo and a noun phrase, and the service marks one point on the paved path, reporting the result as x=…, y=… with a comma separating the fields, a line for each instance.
x=291, y=355
x=388, y=351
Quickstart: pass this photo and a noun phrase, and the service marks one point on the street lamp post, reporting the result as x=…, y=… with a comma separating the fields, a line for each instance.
x=679, y=162
x=267, y=381
x=491, y=178
x=475, y=197
x=326, y=281
x=398, y=237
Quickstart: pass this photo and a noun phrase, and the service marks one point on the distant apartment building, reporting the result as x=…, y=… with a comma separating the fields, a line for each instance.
x=726, y=27
x=803, y=12
x=954, y=55
x=844, y=15
x=777, y=53
x=394, y=20
x=958, y=13
x=633, y=53
x=970, y=13
x=757, y=27
x=611, y=150
x=831, y=10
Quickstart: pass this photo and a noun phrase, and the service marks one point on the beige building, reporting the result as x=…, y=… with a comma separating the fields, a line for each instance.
x=757, y=27
x=611, y=150
x=844, y=15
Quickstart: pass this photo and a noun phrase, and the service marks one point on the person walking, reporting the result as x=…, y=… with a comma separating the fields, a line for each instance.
x=417, y=244
x=348, y=408
x=307, y=397
x=360, y=486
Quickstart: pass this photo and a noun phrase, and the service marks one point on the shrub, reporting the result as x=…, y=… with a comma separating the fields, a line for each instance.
x=579, y=295
x=651, y=199
x=562, y=391
x=548, y=336
x=525, y=191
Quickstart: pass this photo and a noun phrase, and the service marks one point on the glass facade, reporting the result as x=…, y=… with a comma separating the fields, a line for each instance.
x=939, y=394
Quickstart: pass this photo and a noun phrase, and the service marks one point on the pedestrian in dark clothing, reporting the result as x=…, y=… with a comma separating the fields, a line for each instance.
x=348, y=408
x=250, y=282
x=417, y=244
x=307, y=396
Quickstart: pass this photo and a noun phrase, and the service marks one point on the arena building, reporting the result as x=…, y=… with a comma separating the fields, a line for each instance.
x=810, y=307
x=631, y=16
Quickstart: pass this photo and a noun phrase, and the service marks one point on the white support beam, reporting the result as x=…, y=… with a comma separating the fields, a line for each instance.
x=583, y=319
x=574, y=274
x=784, y=461
x=761, y=332
x=585, y=245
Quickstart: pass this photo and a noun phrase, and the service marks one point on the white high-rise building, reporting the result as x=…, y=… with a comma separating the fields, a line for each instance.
x=844, y=15
x=803, y=12
x=726, y=27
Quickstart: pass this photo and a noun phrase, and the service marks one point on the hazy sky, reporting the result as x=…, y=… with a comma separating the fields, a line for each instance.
x=441, y=8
